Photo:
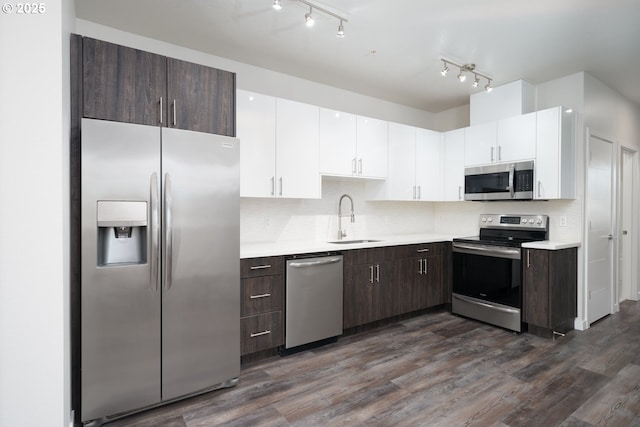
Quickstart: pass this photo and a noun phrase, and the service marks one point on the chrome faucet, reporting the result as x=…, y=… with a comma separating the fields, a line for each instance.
x=343, y=233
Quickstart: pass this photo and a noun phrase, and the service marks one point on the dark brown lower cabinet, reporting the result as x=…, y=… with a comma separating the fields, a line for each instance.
x=262, y=304
x=395, y=280
x=549, y=290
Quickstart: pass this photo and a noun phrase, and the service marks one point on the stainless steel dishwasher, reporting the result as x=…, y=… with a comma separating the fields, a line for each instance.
x=313, y=299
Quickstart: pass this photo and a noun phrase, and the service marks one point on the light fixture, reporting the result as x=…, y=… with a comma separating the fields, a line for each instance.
x=445, y=70
x=464, y=70
x=488, y=87
x=309, y=18
x=340, y=33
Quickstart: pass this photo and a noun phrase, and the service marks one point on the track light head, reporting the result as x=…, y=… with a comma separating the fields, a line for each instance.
x=461, y=77
x=277, y=5
x=488, y=87
x=308, y=17
x=445, y=70
x=340, y=33
x=476, y=82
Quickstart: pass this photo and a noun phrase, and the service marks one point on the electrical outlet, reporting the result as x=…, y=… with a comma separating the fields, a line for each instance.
x=563, y=221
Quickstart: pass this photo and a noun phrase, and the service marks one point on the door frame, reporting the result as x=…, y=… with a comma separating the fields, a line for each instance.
x=615, y=188
x=635, y=207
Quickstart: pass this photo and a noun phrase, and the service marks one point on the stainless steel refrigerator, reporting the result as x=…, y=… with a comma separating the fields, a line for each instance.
x=160, y=286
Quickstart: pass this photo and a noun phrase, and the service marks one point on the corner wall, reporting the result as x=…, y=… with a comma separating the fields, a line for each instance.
x=34, y=218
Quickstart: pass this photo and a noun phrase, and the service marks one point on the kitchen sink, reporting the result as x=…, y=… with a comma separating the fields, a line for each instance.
x=344, y=242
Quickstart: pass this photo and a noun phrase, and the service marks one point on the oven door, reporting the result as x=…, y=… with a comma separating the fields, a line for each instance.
x=487, y=283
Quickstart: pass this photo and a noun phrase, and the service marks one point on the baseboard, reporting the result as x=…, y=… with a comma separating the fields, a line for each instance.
x=580, y=324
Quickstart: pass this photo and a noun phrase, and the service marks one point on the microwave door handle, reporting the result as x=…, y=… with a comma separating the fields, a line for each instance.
x=512, y=177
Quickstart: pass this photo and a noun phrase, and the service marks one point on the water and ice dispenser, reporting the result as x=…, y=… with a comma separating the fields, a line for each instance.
x=122, y=232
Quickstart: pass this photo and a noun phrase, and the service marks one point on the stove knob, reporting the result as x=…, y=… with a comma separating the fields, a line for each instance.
x=524, y=220
x=484, y=219
x=538, y=220
x=531, y=221
x=490, y=219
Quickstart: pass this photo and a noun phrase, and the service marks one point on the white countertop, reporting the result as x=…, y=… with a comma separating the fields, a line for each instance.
x=551, y=245
x=291, y=247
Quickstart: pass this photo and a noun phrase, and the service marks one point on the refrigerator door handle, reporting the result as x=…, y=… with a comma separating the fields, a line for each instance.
x=155, y=232
x=168, y=224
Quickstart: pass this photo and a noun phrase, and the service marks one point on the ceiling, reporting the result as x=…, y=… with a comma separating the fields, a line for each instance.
x=392, y=49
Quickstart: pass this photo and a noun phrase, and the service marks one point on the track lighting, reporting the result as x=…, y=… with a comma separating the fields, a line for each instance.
x=466, y=68
x=309, y=19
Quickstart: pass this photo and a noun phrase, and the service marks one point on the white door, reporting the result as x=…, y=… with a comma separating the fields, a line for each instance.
x=337, y=143
x=599, y=228
x=372, y=147
x=429, y=185
x=256, y=129
x=297, y=150
x=626, y=288
x=480, y=144
x=401, y=182
x=454, y=165
x=516, y=138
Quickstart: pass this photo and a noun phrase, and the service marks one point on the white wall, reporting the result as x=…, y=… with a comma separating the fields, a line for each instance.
x=34, y=217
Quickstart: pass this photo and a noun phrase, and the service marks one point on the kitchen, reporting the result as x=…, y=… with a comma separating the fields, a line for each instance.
x=288, y=216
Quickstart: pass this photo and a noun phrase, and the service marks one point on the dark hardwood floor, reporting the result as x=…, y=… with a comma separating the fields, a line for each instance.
x=434, y=370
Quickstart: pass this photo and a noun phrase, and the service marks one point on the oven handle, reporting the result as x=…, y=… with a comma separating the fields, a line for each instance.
x=498, y=252
x=485, y=304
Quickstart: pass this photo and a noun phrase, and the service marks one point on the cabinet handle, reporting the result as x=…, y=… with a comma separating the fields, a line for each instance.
x=353, y=166
x=414, y=192
x=425, y=266
x=371, y=274
x=459, y=192
x=161, y=110
x=378, y=273
x=175, y=115
x=273, y=185
x=528, y=259
x=499, y=152
x=420, y=251
x=260, y=267
x=260, y=296
x=492, y=154
x=539, y=192
x=258, y=334
x=280, y=186
x=360, y=166
x=419, y=192
x=420, y=266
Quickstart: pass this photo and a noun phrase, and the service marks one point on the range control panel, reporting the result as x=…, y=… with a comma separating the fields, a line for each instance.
x=514, y=221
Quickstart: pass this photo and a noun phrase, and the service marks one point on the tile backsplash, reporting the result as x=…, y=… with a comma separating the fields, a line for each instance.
x=265, y=220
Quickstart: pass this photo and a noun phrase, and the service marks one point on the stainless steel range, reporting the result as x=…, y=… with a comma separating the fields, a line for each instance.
x=487, y=269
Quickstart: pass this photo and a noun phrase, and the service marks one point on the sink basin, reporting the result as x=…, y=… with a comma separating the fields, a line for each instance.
x=344, y=242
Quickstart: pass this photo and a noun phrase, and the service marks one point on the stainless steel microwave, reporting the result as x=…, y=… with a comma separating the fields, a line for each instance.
x=505, y=181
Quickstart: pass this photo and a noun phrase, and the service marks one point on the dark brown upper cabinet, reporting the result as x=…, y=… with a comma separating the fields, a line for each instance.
x=134, y=86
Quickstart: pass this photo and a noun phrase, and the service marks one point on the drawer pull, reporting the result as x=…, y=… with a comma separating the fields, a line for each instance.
x=260, y=267
x=422, y=250
x=258, y=334
x=260, y=296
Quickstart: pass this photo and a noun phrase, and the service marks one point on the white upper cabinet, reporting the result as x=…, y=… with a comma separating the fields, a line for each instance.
x=480, y=144
x=279, y=147
x=338, y=155
x=507, y=140
x=256, y=129
x=402, y=173
x=372, y=146
x=516, y=138
x=454, y=146
x=555, y=159
x=297, y=150
x=429, y=165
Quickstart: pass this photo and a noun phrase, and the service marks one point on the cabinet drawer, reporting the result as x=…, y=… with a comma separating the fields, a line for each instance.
x=261, y=332
x=423, y=250
x=254, y=267
x=370, y=255
x=261, y=295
